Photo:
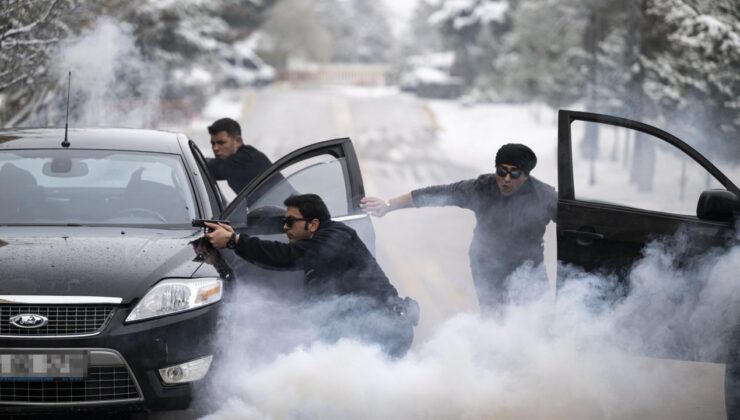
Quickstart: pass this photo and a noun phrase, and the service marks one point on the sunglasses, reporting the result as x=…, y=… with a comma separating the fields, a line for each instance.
x=514, y=173
x=290, y=221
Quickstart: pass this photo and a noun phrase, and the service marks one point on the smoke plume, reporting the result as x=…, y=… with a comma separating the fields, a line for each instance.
x=112, y=83
x=588, y=354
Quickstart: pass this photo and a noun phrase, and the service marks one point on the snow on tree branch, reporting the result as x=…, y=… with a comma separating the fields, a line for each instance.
x=30, y=26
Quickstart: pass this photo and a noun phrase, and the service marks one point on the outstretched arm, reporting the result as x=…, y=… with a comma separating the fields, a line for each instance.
x=378, y=207
x=270, y=253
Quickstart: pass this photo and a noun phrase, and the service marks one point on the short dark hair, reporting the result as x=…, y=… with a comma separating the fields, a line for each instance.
x=311, y=206
x=225, y=124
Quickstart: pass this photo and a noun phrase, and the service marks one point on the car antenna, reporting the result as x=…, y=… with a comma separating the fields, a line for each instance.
x=65, y=143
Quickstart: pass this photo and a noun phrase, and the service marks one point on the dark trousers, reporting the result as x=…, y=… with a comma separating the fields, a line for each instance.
x=382, y=326
x=502, y=285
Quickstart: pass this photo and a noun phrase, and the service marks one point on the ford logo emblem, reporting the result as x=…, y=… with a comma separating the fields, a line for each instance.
x=29, y=321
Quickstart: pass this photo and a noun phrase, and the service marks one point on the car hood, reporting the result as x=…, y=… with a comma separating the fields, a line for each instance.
x=92, y=261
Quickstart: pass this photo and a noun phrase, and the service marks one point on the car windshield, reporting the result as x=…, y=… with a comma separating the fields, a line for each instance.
x=93, y=187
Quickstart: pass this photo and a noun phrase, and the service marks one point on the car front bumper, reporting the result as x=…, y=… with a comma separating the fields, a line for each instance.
x=123, y=367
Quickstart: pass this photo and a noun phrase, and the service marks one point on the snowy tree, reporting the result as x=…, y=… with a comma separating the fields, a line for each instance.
x=242, y=17
x=359, y=28
x=372, y=37
x=471, y=28
x=29, y=31
x=543, y=61
x=674, y=61
x=172, y=34
x=331, y=30
x=296, y=29
x=423, y=37
x=651, y=60
x=696, y=74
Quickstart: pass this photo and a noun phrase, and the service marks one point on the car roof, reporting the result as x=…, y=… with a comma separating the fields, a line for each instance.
x=91, y=138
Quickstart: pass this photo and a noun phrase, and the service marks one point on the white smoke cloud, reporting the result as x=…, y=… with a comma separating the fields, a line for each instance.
x=112, y=83
x=580, y=356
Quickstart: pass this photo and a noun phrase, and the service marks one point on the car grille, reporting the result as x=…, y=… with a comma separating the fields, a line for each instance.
x=103, y=384
x=64, y=320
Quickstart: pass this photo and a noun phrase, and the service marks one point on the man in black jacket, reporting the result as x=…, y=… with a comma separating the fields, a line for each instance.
x=511, y=210
x=336, y=263
x=235, y=162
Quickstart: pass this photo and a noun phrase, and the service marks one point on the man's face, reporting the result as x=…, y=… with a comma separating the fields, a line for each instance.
x=296, y=227
x=224, y=144
x=507, y=183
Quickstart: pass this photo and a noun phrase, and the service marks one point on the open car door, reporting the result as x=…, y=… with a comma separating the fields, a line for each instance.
x=622, y=184
x=329, y=169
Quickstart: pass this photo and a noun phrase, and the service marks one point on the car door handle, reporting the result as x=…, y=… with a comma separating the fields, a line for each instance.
x=583, y=234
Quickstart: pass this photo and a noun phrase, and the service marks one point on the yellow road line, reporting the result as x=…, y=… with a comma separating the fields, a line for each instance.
x=442, y=286
x=432, y=116
x=249, y=100
x=342, y=117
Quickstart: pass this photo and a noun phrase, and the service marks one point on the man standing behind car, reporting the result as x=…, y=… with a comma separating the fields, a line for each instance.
x=336, y=263
x=511, y=210
x=234, y=161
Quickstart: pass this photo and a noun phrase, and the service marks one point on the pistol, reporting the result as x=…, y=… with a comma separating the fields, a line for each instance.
x=201, y=223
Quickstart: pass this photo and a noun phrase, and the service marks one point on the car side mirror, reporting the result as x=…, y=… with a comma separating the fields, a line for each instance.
x=267, y=220
x=718, y=205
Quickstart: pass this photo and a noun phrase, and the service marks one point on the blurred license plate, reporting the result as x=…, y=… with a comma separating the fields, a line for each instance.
x=47, y=366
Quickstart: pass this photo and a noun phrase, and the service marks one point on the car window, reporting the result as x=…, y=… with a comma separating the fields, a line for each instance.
x=322, y=175
x=94, y=187
x=626, y=167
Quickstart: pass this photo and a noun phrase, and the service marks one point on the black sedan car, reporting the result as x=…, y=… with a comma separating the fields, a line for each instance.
x=101, y=293
x=105, y=302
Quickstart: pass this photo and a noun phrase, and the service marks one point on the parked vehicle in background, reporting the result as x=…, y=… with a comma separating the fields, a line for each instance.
x=428, y=75
x=240, y=66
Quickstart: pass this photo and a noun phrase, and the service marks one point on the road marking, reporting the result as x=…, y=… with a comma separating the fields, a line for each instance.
x=441, y=286
x=439, y=296
x=249, y=99
x=432, y=116
x=342, y=117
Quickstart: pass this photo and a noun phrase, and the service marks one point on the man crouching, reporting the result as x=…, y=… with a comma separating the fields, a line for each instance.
x=335, y=263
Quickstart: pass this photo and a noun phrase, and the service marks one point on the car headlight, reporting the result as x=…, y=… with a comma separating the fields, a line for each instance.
x=177, y=295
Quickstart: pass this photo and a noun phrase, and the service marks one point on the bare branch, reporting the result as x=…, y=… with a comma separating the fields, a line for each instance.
x=15, y=43
x=30, y=26
x=18, y=79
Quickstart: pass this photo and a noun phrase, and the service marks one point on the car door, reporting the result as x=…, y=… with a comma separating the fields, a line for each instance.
x=329, y=169
x=621, y=184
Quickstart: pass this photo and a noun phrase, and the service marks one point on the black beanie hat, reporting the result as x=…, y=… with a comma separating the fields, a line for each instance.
x=518, y=155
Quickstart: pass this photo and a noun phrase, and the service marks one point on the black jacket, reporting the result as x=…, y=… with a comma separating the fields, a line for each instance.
x=508, y=229
x=335, y=261
x=240, y=168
